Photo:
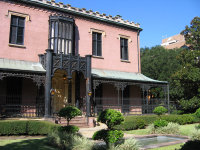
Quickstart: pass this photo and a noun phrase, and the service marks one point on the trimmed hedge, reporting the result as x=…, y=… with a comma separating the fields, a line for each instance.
x=136, y=122
x=26, y=127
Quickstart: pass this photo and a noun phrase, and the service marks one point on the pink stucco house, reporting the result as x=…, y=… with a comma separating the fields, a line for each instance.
x=53, y=55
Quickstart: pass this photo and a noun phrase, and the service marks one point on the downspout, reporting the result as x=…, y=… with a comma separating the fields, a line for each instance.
x=138, y=51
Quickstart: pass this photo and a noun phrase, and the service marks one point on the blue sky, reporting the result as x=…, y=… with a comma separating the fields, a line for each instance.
x=158, y=18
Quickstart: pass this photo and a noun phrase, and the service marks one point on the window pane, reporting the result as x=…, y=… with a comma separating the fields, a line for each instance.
x=94, y=43
x=19, y=40
x=21, y=21
x=13, y=35
x=14, y=20
x=20, y=31
x=99, y=48
x=124, y=48
x=99, y=37
x=52, y=29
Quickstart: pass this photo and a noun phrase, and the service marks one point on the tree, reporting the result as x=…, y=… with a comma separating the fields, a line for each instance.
x=159, y=64
x=69, y=112
x=192, y=34
x=110, y=136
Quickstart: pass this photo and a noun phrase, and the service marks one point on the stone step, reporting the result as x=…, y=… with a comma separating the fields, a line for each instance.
x=79, y=121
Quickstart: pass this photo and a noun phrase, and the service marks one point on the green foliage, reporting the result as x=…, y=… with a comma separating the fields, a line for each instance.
x=197, y=113
x=191, y=145
x=131, y=122
x=195, y=135
x=160, y=123
x=13, y=127
x=69, y=129
x=159, y=64
x=189, y=106
x=192, y=34
x=65, y=141
x=109, y=136
x=171, y=128
x=26, y=127
x=160, y=110
x=181, y=119
x=129, y=144
x=69, y=112
x=111, y=118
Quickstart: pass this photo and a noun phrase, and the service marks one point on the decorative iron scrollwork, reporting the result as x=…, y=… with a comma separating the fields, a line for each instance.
x=38, y=79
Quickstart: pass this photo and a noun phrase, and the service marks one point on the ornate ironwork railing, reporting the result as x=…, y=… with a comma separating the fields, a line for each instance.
x=128, y=105
x=25, y=111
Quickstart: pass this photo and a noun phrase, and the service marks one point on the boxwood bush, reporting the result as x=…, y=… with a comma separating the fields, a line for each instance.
x=135, y=122
x=26, y=127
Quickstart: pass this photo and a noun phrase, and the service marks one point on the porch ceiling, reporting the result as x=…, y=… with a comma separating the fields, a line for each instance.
x=19, y=65
x=119, y=75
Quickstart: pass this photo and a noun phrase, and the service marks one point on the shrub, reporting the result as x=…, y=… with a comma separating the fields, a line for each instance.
x=69, y=112
x=197, y=113
x=160, y=110
x=69, y=129
x=13, y=127
x=109, y=136
x=26, y=127
x=160, y=123
x=171, y=128
x=111, y=118
x=191, y=145
x=65, y=141
x=180, y=119
x=40, y=127
x=140, y=124
x=189, y=106
x=129, y=144
x=195, y=135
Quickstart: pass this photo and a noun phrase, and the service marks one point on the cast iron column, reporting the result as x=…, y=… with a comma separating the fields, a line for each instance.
x=88, y=86
x=48, y=82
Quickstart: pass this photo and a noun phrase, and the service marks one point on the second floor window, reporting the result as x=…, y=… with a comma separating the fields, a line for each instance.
x=124, y=48
x=17, y=30
x=61, y=37
x=96, y=44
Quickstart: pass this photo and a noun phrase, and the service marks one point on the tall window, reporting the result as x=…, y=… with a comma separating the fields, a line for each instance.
x=17, y=30
x=61, y=38
x=96, y=44
x=124, y=48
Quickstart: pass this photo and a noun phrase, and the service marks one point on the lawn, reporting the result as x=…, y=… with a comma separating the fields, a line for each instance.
x=184, y=130
x=41, y=143
x=25, y=144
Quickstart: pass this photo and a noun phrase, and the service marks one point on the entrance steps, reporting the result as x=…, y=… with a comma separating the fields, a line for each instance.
x=80, y=121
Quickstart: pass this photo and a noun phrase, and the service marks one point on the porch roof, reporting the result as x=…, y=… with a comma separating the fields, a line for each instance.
x=20, y=65
x=119, y=75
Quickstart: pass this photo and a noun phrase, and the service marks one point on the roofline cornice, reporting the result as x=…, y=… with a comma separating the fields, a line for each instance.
x=117, y=20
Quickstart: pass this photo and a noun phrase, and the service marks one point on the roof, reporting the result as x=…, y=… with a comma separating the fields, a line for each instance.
x=119, y=75
x=118, y=20
x=19, y=65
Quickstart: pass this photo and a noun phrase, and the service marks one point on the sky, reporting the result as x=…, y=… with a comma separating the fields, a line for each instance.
x=159, y=19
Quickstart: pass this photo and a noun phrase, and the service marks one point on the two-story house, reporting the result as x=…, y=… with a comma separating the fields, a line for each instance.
x=53, y=55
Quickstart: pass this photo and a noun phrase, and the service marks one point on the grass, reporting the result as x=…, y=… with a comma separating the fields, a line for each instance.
x=171, y=147
x=25, y=144
x=184, y=130
x=41, y=143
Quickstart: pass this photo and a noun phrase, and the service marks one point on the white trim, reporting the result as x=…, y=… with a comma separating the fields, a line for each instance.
x=26, y=16
x=125, y=37
x=98, y=31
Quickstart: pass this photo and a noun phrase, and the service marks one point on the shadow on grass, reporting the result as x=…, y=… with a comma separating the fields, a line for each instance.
x=29, y=144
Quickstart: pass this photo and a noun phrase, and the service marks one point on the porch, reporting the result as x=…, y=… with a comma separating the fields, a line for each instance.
x=129, y=93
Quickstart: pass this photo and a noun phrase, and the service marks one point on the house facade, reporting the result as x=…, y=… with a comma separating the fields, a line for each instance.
x=53, y=55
